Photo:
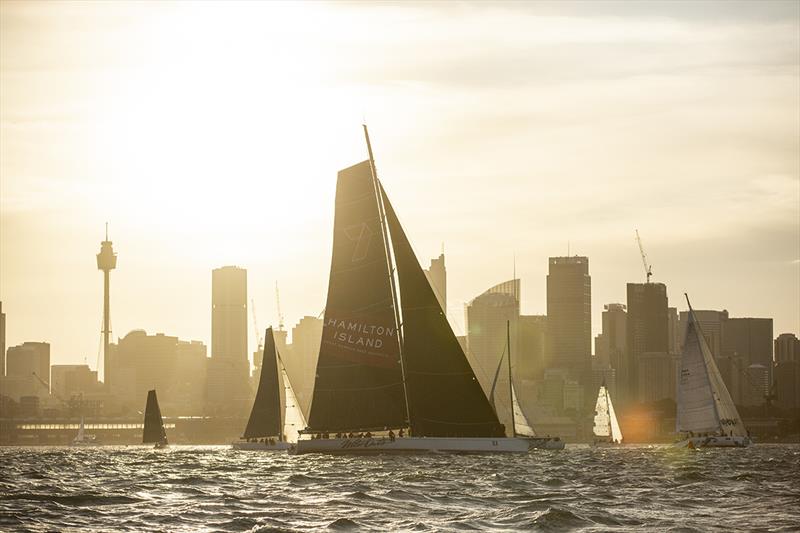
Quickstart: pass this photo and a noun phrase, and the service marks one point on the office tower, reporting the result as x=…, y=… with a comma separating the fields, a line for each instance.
x=68, y=381
x=301, y=359
x=529, y=360
x=569, y=318
x=106, y=261
x=787, y=348
x=28, y=370
x=437, y=277
x=657, y=376
x=673, y=330
x=490, y=318
x=750, y=338
x=755, y=385
x=647, y=330
x=229, y=389
x=177, y=369
x=610, y=350
x=2, y=341
x=786, y=371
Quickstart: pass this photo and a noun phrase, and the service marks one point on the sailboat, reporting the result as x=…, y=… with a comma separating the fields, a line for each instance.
x=83, y=438
x=389, y=361
x=707, y=416
x=606, y=426
x=154, y=432
x=519, y=420
x=267, y=426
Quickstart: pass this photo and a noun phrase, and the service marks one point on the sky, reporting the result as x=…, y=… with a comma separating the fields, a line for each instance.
x=210, y=134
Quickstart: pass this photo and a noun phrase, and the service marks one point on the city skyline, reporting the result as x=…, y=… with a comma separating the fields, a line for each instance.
x=719, y=223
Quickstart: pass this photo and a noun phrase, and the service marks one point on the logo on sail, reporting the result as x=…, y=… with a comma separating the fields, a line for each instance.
x=360, y=234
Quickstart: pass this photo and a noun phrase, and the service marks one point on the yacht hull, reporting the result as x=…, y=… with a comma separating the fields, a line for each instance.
x=261, y=446
x=415, y=445
x=714, y=442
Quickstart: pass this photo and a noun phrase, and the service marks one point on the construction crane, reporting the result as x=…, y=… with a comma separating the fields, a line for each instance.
x=648, y=269
x=278, y=303
x=259, y=338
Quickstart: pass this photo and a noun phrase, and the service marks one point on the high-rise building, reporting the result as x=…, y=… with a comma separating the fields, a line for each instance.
x=71, y=380
x=787, y=348
x=786, y=371
x=437, y=277
x=27, y=370
x=29, y=358
x=610, y=348
x=300, y=359
x=756, y=385
x=569, y=317
x=229, y=388
x=647, y=329
x=657, y=376
x=491, y=318
x=2, y=341
x=673, y=330
x=529, y=360
x=751, y=338
x=175, y=368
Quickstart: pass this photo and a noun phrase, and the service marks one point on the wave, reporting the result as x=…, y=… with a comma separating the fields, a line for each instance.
x=78, y=500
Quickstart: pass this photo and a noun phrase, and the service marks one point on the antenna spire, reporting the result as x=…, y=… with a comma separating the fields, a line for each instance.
x=106, y=230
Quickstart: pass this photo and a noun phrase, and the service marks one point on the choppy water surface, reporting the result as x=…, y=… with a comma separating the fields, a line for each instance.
x=215, y=488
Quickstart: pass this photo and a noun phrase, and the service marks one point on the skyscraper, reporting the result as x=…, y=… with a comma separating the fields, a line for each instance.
x=229, y=367
x=569, y=317
x=647, y=331
x=610, y=349
x=529, y=359
x=490, y=316
x=27, y=359
x=437, y=277
x=787, y=348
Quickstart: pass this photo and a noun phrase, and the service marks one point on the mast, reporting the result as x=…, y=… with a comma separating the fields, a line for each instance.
x=392, y=283
x=608, y=408
x=510, y=383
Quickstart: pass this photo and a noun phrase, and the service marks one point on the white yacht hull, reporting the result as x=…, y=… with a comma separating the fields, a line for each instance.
x=261, y=446
x=714, y=442
x=413, y=445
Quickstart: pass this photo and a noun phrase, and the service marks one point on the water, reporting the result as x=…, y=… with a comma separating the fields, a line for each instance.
x=215, y=488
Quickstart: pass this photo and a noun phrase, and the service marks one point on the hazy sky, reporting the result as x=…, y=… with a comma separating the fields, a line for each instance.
x=210, y=134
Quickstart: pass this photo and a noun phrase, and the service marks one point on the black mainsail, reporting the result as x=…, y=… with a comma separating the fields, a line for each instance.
x=388, y=360
x=266, y=417
x=445, y=398
x=359, y=381
x=153, y=423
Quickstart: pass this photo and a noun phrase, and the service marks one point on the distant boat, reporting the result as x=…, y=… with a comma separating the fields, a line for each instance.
x=267, y=426
x=391, y=376
x=154, y=432
x=606, y=426
x=707, y=416
x=83, y=438
x=519, y=420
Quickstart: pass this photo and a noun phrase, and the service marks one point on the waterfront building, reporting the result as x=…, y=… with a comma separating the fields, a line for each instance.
x=647, y=331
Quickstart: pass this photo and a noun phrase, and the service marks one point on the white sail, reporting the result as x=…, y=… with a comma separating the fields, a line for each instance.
x=522, y=426
x=616, y=432
x=704, y=403
x=602, y=418
x=81, y=436
x=293, y=421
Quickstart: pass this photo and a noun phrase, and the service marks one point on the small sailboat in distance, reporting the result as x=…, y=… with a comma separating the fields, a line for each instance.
x=154, y=432
x=606, y=426
x=83, y=438
x=707, y=416
x=522, y=427
x=265, y=427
